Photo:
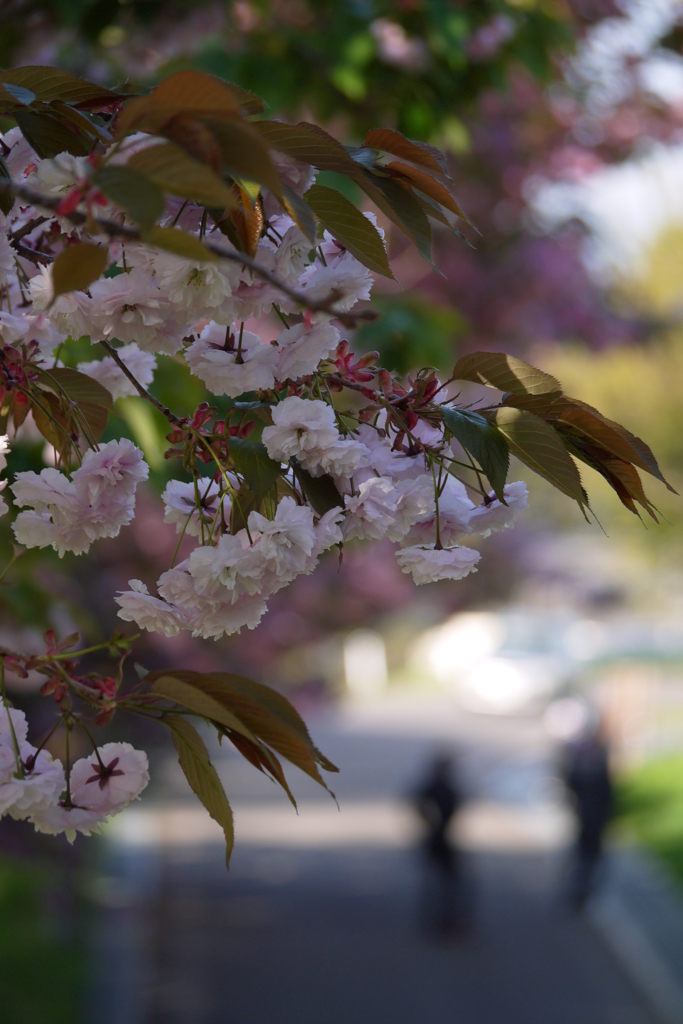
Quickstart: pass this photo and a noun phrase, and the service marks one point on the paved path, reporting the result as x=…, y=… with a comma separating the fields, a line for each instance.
x=316, y=922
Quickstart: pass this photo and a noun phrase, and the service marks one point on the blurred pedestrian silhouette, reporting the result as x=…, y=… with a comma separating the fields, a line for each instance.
x=444, y=908
x=587, y=777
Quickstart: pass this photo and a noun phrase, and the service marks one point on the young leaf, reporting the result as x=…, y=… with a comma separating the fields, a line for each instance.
x=483, y=441
x=263, y=759
x=573, y=418
x=132, y=191
x=266, y=713
x=320, y=491
x=191, y=92
x=244, y=225
x=173, y=688
x=426, y=184
x=252, y=461
x=78, y=266
x=171, y=169
x=417, y=152
x=350, y=227
x=202, y=777
x=538, y=447
x=506, y=373
x=182, y=243
x=244, y=154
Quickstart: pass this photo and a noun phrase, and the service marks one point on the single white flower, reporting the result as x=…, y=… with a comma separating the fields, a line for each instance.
x=427, y=565
x=301, y=348
x=493, y=516
x=109, y=779
x=131, y=307
x=70, y=314
x=346, y=277
x=199, y=287
x=372, y=512
x=40, y=786
x=106, y=372
x=179, y=500
x=58, y=818
x=137, y=605
x=219, y=368
x=4, y=448
x=455, y=510
x=302, y=429
x=110, y=474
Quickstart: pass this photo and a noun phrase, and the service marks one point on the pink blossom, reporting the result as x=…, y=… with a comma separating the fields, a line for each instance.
x=108, y=780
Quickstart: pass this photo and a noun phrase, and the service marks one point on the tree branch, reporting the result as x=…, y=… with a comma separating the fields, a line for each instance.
x=115, y=230
x=171, y=417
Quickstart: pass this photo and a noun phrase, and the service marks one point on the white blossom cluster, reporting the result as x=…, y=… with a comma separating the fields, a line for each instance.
x=34, y=787
x=152, y=302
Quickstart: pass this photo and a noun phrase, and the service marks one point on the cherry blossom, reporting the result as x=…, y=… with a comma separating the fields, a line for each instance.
x=428, y=565
x=4, y=449
x=137, y=605
x=109, y=778
x=180, y=505
x=106, y=372
x=230, y=367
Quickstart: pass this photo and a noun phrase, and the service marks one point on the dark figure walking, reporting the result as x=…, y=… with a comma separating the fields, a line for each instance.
x=588, y=779
x=443, y=909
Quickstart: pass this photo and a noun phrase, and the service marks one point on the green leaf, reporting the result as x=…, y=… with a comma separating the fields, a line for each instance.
x=320, y=491
x=243, y=503
x=252, y=461
x=507, y=373
x=77, y=267
x=483, y=441
x=350, y=227
x=175, y=689
x=182, y=243
x=406, y=212
x=50, y=83
x=174, y=171
x=300, y=212
x=49, y=135
x=136, y=194
x=6, y=198
x=202, y=777
x=538, y=447
x=19, y=93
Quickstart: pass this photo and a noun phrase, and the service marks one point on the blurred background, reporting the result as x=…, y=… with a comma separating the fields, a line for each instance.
x=563, y=122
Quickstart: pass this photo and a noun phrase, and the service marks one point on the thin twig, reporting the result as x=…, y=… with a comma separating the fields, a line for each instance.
x=33, y=255
x=116, y=230
x=31, y=225
x=143, y=392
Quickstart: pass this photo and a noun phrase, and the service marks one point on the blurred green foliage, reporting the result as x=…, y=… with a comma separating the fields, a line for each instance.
x=650, y=804
x=41, y=964
x=416, y=65
x=412, y=332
